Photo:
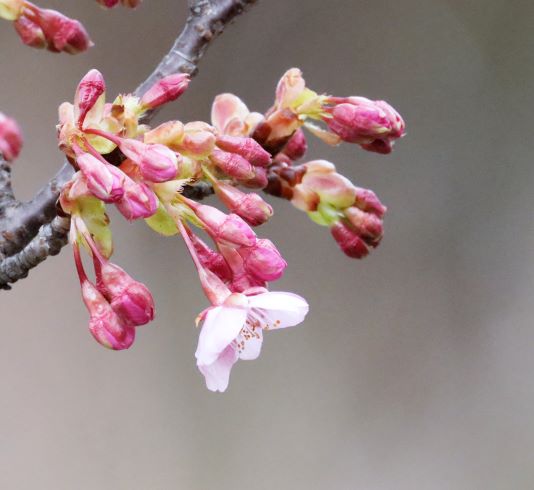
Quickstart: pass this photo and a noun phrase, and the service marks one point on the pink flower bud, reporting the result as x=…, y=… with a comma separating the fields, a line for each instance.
x=90, y=88
x=348, y=240
x=263, y=260
x=105, y=182
x=366, y=200
x=157, y=163
x=10, y=138
x=11, y=9
x=296, y=146
x=251, y=207
x=165, y=90
x=225, y=227
x=61, y=32
x=210, y=259
x=30, y=33
x=372, y=124
x=105, y=325
x=233, y=165
x=248, y=148
x=108, y=3
x=259, y=181
x=368, y=226
x=138, y=201
x=130, y=299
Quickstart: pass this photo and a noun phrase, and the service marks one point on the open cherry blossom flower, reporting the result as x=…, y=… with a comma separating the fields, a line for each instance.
x=234, y=330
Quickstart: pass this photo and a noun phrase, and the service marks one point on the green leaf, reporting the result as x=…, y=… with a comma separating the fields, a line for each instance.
x=162, y=223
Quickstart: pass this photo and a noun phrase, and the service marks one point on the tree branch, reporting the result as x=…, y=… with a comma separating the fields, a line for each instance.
x=31, y=231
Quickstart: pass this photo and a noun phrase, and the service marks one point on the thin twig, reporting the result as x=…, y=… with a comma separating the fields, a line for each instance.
x=31, y=231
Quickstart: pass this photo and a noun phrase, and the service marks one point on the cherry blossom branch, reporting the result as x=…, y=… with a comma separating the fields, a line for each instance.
x=31, y=231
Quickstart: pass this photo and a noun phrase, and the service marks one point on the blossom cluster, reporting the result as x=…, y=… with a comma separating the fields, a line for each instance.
x=146, y=173
x=45, y=28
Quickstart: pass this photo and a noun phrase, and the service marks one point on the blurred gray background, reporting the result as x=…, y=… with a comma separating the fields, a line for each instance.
x=415, y=367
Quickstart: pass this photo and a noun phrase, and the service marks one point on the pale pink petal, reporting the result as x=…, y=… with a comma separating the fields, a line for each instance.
x=278, y=309
x=217, y=374
x=249, y=344
x=221, y=326
x=226, y=107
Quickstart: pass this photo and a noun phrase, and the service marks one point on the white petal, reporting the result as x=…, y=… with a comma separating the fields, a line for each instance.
x=217, y=374
x=226, y=107
x=249, y=344
x=222, y=325
x=280, y=309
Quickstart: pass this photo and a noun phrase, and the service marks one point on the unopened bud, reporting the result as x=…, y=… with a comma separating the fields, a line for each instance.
x=210, y=259
x=258, y=181
x=248, y=148
x=10, y=138
x=165, y=90
x=372, y=124
x=233, y=165
x=105, y=325
x=296, y=146
x=30, y=33
x=263, y=260
x=90, y=88
x=368, y=226
x=367, y=200
x=138, y=201
x=332, y=188
x=157, y=163
x=251, y=207
x=226, y=227
x=348, y=240
x=105, y=182
x=130, y=299
x=61, y=32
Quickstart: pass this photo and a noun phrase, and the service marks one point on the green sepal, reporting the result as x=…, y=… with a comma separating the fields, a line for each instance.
x=161, y=222
x=93, y=213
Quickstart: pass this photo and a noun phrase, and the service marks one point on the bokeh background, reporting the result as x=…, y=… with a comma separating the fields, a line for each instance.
x=414, y=369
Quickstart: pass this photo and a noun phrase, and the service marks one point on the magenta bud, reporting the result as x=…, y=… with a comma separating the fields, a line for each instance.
x=248, y=148
x=372, y=124
x=108, y=3
x=225, y=227
x=348, y=240
x=165, y=90
x=90, y=88
x=367, y=200
x=233, y=165
x=259, y=181
x=297, y=146
x=30, y=33
x=368, y=226
x=210, y=259
x=104, y=181
x=10, y=138
x=251, y=207
x=130, y=299
x=138, y=201
x=156, y=162
x=263, y=260
x=105, y=325
x=61, y=32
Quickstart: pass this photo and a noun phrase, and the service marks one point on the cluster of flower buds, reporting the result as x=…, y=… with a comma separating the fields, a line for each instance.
x=45, y=28
x=374, y=125
x=354, y=215
x=10, y=138
x=125, y=3
x=143, y=171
